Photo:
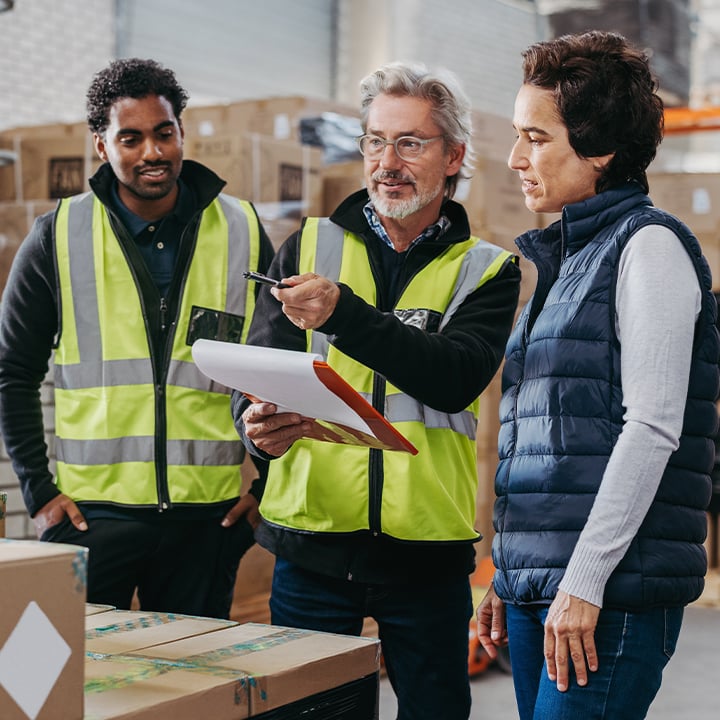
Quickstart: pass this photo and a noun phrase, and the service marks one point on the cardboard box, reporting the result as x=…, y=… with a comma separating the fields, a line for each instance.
x=119, y=687
x=283, y=179
x=693, y=197
x=340, y=180
x=95, y=609
x=284, y=665
x=41, y=630
x=277, y=117
x=48, y=167
x=495, y=203
x=16, y=219
x=123, y=631
x=493, y=136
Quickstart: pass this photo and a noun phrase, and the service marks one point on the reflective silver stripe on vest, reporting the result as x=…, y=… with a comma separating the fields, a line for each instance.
x=238, y=254
x=474, y=265
x=186, y=374
x=82, y=277
x=91, y=371
x=400, y=407
x=103, y=374
x=142, y=449
x=328, y=260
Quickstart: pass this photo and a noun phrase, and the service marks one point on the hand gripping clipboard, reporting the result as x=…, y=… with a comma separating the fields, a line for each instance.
x=303, y=383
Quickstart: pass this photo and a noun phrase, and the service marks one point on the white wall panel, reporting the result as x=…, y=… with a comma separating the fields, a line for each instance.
x=225, y=50
x=479, y=40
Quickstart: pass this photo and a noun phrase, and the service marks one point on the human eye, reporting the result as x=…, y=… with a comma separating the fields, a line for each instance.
x=410, y=145
x=127, y=139
x=374, y=143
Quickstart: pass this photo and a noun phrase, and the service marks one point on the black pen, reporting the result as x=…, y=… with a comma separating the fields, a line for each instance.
x=259, y=277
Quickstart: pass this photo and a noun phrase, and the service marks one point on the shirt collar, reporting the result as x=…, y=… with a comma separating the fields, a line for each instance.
x=431, y=232
x=136, y=225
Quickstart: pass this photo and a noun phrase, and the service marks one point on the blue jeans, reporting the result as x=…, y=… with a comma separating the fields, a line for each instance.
x=633, y=649
x=423, y=631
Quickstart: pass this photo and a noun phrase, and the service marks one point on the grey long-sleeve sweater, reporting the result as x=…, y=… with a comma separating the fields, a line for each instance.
x=657, y=304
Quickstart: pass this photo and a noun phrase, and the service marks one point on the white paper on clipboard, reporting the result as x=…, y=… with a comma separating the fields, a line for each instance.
x=285, y=378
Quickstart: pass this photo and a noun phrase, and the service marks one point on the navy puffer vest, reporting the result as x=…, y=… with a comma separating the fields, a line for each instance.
x=561, y=414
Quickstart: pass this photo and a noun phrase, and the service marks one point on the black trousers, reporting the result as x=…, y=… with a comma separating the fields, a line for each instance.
x=177, y=565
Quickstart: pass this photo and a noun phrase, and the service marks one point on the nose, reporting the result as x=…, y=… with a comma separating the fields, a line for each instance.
x=389, y=157
x=517, y=159
x=151, y=149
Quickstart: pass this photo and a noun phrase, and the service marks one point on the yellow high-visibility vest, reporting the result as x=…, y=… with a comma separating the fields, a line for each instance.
x=115, y=417
x=325, y=487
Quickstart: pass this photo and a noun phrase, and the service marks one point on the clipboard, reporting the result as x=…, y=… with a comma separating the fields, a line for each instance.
x=304, y=383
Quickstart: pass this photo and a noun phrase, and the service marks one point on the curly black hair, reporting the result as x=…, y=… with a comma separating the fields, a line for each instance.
x=130, y=78
x=607, y=97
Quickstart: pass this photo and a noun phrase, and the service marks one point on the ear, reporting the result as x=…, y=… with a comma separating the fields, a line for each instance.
x=182, y=129
x=100, y=147
x=600, y=162
x=456, y=155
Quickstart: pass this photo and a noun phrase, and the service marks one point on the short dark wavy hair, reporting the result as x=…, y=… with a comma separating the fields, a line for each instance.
x=130, y=78
x=607, y=98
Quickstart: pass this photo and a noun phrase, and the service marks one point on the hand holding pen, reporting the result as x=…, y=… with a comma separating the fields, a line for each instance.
x=264, y=279
x=308, y=300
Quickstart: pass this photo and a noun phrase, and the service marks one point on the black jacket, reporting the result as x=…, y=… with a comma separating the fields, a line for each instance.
x=30, y=323
x=445, y=370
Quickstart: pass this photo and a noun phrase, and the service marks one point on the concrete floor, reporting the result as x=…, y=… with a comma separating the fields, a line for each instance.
x=690, y=688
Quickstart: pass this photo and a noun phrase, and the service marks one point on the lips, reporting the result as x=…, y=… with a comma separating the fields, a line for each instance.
x=527, y=185
x=156, y=172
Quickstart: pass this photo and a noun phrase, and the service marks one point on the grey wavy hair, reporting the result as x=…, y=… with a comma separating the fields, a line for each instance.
x=452, y=109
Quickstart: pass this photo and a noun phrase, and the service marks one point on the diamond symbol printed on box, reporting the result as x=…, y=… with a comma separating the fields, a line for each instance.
x=26, y=681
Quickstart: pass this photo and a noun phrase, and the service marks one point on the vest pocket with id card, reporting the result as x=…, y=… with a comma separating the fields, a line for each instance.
x=209, y=324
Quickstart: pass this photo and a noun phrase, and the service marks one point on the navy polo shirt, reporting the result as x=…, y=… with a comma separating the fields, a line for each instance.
x=158, y=241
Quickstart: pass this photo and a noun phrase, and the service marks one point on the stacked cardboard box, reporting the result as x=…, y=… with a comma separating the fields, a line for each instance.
x=52, y=161
x=16, y=219
x=695, y=199
x=41, y=630
x=184, y=667
x=64, y=659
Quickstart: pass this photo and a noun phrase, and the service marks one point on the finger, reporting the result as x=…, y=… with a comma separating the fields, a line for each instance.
x=561, y=666
x=484, y=623
x=76, y=518
x=498, y=630
x=278, y=442
x=231, y=517
x=240, y=508
x=591, y=651
x=577, y=655
x=258, y=411
x=549, y=652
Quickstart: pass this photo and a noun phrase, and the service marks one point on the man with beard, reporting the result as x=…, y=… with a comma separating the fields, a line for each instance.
x=414, y=313
x=119, y=282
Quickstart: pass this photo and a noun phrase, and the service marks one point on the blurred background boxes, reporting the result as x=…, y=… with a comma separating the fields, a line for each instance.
x=16, y=219
x=277, y=117
x=51, y=161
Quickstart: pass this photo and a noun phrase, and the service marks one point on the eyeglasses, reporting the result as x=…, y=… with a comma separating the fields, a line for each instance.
x=406, y=147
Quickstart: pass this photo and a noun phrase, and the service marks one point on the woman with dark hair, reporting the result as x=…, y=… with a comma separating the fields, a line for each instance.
x=608, y=408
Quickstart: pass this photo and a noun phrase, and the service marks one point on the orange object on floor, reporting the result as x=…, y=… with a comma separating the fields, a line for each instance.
x=478, y=660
